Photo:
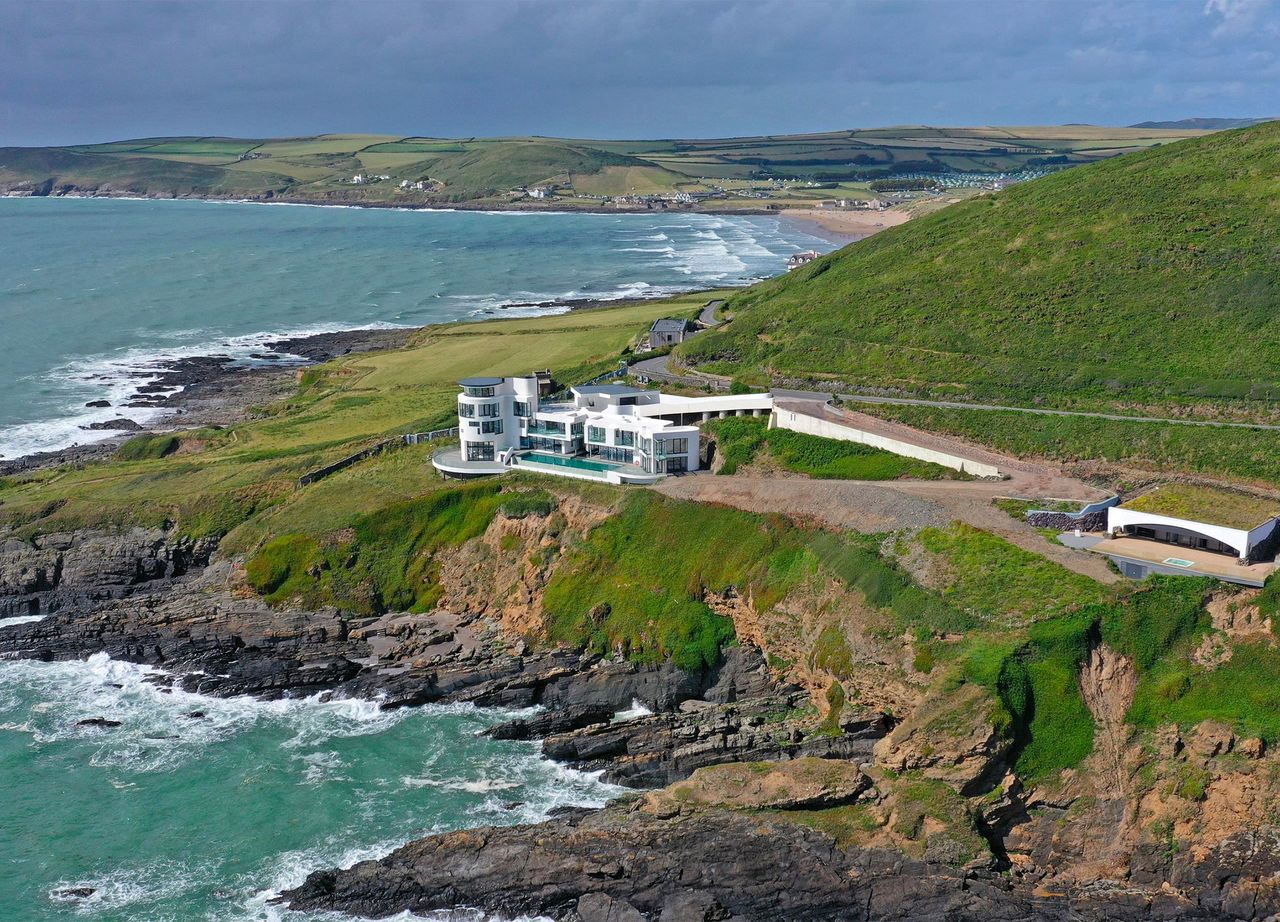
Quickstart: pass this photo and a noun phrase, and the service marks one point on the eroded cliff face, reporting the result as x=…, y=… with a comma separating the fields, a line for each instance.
x=502, y=574
x=920, y=815
x=81, y=568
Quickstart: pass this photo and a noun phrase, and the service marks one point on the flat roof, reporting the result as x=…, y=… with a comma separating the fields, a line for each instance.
x=480, y=382
x=614, y=390
x=1212, y=505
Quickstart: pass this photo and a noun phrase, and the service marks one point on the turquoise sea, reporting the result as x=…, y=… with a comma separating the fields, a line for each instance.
x=95, y=292
x=196, y=808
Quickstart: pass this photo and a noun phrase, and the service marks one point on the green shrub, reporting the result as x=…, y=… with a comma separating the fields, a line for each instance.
x=887, y=587
x=836, y=699
x=1165, y=610
x=834, y=459
x=831, y=653
x=1037, y=685
x=999, y=580
x=1268, y=602
x=387, y=561
x=637, y=582
x=280, y=568
x=148, y=446
x=738, y=439
x=524, y=504
x=1244, y=692
x=1238, y=453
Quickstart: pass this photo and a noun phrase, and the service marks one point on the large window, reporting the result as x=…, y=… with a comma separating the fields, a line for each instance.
x=478, y=391
x=624, y=437
x=596, y=434
x=466, y=410
x=479, y=451
x=677, y=446
x=677, y=464
x=542, y=444
x=488, y=409
x=522, y=408
x=491, y=425
x=623, y=455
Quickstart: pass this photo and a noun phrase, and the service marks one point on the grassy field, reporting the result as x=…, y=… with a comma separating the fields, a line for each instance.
x=232, y=475
x=742, y=439
x=485, y=169
x=1147, y=279
x=1011, y=625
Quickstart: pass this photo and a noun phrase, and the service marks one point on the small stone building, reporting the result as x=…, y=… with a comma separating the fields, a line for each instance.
x=668, y=331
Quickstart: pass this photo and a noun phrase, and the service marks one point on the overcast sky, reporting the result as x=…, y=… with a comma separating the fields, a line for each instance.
x=74, y=72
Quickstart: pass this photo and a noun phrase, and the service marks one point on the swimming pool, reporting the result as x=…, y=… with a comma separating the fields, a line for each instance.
x=561, y=461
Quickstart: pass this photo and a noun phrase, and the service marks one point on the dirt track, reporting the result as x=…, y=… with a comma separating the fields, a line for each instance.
x=868, y=506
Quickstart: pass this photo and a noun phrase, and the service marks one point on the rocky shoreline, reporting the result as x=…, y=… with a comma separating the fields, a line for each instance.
x=219, y=390
x=731, y=759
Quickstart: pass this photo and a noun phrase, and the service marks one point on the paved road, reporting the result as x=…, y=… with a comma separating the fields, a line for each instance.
x=956, y=405
x=708, y=316
x=657, y=367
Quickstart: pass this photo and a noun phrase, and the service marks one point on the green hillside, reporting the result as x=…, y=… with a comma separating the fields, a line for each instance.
x=1147, y=278
x=59, y=167
x=483, y=170
x=786, y=170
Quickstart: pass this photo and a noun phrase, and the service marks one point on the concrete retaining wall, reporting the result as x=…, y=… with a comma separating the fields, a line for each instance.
x=830, y=429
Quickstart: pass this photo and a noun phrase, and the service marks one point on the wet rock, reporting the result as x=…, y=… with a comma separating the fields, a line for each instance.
x=709, y=863
x=120, y=424
x=665, y=747
x=98, y=403
x=562, y=720
x=73, y=893
x=104, y=722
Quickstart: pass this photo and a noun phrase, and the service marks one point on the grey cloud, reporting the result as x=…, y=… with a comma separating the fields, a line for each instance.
x=98, y=69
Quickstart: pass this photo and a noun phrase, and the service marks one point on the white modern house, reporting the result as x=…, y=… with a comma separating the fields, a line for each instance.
x=1189, y=528
x=605, y=432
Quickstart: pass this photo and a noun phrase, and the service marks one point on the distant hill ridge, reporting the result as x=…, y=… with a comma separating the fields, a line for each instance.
x=1146, y=278
x=487, y=171
x=1207, y=124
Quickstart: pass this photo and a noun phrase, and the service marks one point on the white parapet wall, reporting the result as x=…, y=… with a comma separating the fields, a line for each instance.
x=830, y=428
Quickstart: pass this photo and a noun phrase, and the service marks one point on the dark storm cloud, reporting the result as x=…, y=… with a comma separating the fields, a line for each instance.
x=80, y=71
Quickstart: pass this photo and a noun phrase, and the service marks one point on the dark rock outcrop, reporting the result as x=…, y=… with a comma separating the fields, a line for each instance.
x=661, y=748
x=120, y=424
x=80, y=569
x=653, y=865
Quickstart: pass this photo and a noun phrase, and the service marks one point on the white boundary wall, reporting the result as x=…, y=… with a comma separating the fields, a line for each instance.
x=829, y=429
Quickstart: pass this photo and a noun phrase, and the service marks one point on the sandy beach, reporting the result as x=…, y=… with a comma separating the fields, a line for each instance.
x=847, y=225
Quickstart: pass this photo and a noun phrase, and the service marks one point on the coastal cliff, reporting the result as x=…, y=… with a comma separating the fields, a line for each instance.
x=767, y=799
